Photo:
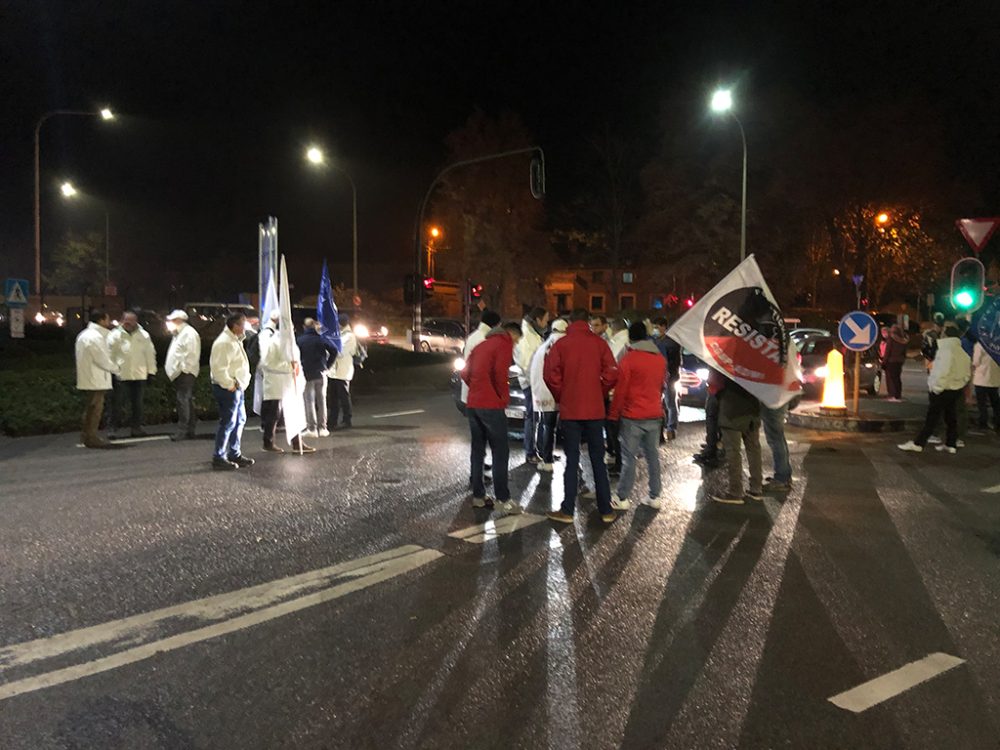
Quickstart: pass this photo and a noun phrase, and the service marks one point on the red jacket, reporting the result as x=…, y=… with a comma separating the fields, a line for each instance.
x=580, y=370
x=486, y=372
x=640, y=384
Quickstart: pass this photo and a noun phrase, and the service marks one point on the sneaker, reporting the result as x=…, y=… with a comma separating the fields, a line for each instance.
x=272, y=448
x=728, y=499
x=534, y=460
x=671, y=434
x=609, y=460
x=324, y=433
x=559, y=517
x=618, y=503
x=773, y=485
x=934, y=440
x=221, y=464
x=510, y=508
x=608, y=517
x=303, y=448
x=548, y=468
x=757, y=495
x=912, y=447
x=310, y=433
x=959, y=443
x=653, y=502
x=946, y=449
x=242, y=461
x=478, y=502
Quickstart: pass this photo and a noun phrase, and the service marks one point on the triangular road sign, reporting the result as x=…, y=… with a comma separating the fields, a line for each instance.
x=15, y=295
x=977, y=232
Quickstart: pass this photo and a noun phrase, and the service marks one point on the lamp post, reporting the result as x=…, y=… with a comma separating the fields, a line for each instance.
x=722, y=101
x=315, y=156
x=70, y=192
x=105, y=114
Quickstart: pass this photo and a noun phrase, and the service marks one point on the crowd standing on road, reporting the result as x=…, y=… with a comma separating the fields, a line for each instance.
x=182, y=367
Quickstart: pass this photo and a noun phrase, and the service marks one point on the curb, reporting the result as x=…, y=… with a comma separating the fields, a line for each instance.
x=813, y=421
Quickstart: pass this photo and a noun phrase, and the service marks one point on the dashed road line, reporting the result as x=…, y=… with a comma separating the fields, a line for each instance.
x=495, y=527
x=398, y=414
x=881, y=689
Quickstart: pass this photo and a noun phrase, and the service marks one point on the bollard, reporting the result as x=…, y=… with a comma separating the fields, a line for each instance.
x=833, y=387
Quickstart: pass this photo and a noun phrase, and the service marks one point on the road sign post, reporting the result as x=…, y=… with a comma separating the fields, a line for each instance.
x=16, y=323
x=858, y=332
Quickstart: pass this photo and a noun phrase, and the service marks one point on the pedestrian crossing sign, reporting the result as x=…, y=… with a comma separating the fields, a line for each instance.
x=15, y=292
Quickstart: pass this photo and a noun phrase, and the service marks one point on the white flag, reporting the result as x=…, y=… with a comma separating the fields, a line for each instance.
x=292, y=404
x=737, y=329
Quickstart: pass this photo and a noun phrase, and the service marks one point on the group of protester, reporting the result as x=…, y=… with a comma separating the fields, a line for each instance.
x=122, y=359
x=613, y=387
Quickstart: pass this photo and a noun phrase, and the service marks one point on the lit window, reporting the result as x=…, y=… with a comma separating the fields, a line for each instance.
x=628, y=277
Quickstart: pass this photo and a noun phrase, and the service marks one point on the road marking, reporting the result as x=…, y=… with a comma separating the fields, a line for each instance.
x=992, y=490
x=227, y=613
x=493, y=528
x=398, y=414
x=128, y=441
x=889, y=685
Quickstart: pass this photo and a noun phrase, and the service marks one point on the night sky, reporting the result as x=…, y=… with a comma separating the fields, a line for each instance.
x=217, y=101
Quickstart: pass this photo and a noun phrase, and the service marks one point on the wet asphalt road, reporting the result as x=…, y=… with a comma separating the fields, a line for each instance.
x=701, y=626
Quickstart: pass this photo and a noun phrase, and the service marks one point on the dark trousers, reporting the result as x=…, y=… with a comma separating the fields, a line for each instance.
x=232, y=417
x=574, y=432
x=92, y=410
x=673, y=411
x=131, y=390
x=988, y=398
x=187, y=417
x=894, y=379
x=489, y=426
x=945, y=403
x=546, y=439
x=529, y=424
x=270, y=411
x=338, y=399
x=712, y=433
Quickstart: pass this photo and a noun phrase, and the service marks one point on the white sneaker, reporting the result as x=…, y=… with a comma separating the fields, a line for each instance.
x=947, y=449
x=548, y=468
x=310, y=433
x=479, y=502
x=959, y=443
x=618, y=504
x=324, y=433
x=934, y=440
x=911, y=446
x=653, y=502
x=510, y=508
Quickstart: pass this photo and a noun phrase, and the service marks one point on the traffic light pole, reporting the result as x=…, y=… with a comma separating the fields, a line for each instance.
x=418, y=245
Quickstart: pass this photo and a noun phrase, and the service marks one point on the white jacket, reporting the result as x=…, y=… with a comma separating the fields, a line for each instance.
x=184, y=354
x=986, y=371
x=274, y=365
x=477, y=337
x=952, y=367
x=94, y=366
x=525, y=351
x=541, y=397
x=228, y=361
x=343, y=365
x=133, y=353
x=618, y=344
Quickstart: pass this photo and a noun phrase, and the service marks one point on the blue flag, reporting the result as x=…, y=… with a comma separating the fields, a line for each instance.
x=326, y=312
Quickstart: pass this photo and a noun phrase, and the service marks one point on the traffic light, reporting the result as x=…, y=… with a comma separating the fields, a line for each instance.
x=428, y=286
x=475, y=293
x=968, y=285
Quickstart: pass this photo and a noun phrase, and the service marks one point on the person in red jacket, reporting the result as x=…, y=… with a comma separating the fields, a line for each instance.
x=580, y=371
x=638, y=408
x=489, y=393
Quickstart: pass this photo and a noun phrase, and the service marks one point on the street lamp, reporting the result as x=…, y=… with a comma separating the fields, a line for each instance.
x=105, y=114
x=315, y=156
x=882, y=218
x=435, y=234
x=722, y=102
x=69, y=191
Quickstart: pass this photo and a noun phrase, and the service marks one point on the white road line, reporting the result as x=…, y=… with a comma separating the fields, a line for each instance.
x=231, y=612
x=889, y=685
x=398, y=414
x=496, y=527
x=992, y=490
x=129, y=441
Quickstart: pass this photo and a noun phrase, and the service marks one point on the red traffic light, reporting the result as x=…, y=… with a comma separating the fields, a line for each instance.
x=428, y=282
x=476, y=290
x=689, y=302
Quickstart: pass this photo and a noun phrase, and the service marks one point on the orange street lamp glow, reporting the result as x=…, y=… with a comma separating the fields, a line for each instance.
x=882, y=218
x=435, y=232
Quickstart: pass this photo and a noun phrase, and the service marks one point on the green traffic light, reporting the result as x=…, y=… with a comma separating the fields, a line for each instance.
x=964, y=300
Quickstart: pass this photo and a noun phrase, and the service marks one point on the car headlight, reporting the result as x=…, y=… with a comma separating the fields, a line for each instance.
x=39, y=318
x=702, y=373
x=458, y=364
x=361, y=331
x=821, y=371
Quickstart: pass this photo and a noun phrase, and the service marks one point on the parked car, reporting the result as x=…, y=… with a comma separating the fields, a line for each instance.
x=440, y=335
x=814, y=352
x=800, y=335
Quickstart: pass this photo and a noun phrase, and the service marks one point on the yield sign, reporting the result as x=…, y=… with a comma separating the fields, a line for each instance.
x=977, y=232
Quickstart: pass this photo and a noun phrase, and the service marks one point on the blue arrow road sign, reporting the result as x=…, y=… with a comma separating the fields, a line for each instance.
x=858, y=331
x=15, y=292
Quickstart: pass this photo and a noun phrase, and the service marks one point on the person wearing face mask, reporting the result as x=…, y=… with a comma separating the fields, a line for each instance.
x=94, y=368
x=133, y=352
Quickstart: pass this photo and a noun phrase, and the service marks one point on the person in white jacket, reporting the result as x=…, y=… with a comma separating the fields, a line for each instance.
x=543, y=402
x=950, y=373
x=230, y=370
x=133, y=352
x=340, y=375
x=986, y=380
x=532, y=329
x=94, y=369
x=277, y=372
x=182, y=366
x=487, y=322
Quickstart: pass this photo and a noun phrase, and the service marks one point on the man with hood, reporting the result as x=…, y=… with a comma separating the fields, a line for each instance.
x=182, y=366
x=638, y=410
x=544, y=403
x=893, y=360
x=532, y=330
x=487, y=321
x=950, y=373
x=94, y=369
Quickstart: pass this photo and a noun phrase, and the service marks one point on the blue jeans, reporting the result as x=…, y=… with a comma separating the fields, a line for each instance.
x=673, y=407
x=529, y=423
x=546, y=440
x=773, y=421
x=489, y=426
x=636, y=434
x=574, y=431
x=232, y=417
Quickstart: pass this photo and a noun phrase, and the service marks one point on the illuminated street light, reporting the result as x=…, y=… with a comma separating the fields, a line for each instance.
x=882, y=218
x=722, y=102
x=435, y=232
x=836, y=272
x=315, y=155
x=67, y=189
x=107, y=114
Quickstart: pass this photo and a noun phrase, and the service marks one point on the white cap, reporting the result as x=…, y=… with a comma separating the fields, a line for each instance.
x=559, y=325
x=177, y=315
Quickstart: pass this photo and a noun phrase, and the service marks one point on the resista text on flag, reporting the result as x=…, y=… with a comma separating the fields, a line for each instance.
x=737, y=329
x=292, y=404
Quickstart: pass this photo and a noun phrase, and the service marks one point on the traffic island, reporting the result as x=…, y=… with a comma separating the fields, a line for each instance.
x=816, y=417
